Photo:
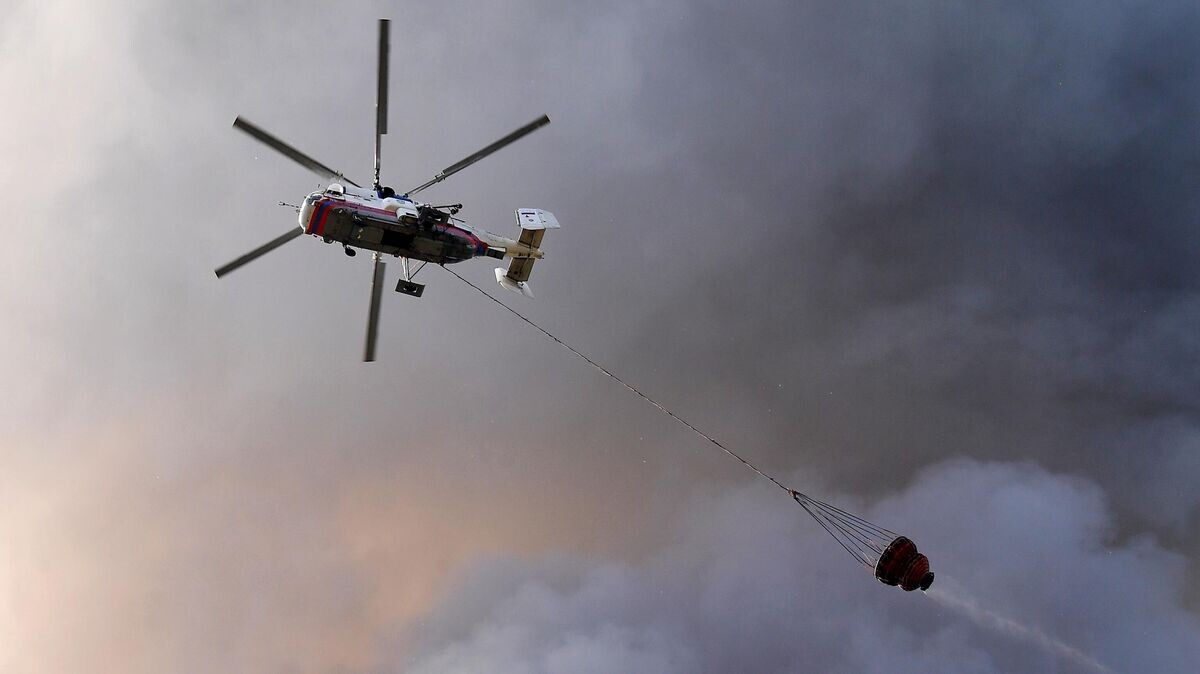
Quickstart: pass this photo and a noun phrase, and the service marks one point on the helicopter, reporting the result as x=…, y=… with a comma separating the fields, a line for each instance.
x=386, y=222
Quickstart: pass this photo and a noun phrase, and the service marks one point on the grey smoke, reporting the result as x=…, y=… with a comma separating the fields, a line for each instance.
x=857, y=237
x=752, y=585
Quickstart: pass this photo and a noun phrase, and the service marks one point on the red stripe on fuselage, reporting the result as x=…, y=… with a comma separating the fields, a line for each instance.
x=321, y=213
x=317, y=224
x=480, y=246
x=322, y=216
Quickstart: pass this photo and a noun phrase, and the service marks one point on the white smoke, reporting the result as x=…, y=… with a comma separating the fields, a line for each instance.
x=754, y=585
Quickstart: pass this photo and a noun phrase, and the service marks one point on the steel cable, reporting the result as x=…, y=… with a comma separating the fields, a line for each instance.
x=863, y=540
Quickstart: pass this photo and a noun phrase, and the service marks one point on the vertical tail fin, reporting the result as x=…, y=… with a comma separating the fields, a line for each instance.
x=533, y=222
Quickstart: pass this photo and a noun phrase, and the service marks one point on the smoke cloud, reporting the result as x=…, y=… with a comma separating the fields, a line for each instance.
x=752, y=585
x=863, y=238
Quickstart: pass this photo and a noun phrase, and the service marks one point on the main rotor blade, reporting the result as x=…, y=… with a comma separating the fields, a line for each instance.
x=381, y=96
x=290, y=152
x=260, y=251
x=471, y=159
x=373, y=316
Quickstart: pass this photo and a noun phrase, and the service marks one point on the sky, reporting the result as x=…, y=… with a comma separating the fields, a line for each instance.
x=932, y=262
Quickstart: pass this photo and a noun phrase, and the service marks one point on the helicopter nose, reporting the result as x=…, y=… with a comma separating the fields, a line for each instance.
x=306, y=210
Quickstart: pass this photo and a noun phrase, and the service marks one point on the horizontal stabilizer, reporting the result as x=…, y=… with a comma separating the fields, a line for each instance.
x=533, y=223
x=536, y=218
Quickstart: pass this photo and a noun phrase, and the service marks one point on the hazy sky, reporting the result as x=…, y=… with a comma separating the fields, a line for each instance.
x=934, y=262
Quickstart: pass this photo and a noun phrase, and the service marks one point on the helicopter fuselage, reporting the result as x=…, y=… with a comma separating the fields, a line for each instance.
x=399, y=227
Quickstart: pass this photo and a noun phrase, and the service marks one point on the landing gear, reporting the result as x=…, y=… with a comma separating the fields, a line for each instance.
x=405, y=285
x=350, y=252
